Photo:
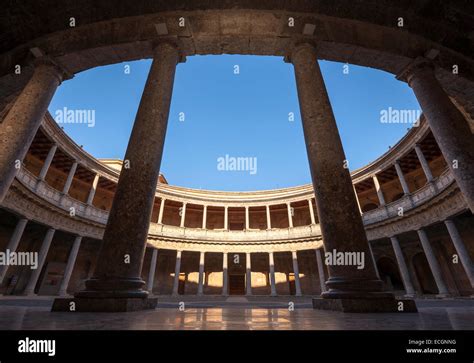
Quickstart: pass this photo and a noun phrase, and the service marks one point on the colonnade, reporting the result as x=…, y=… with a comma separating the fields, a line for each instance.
x=338, y=212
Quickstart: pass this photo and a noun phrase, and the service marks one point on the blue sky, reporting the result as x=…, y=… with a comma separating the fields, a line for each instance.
x=239, y=115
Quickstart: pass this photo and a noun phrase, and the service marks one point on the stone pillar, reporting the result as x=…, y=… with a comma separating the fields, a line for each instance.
x=460, y=249
x=296, y=271
x=71, y=261
x=311, y=211
x=401, y=177
x=129, y=218
x=162, y=209
x=225, y=276
x=319, y=262
x=43, y=252
x=90, y=197
x=269, y=219
x=247, y=218
x=424, y=164
x=177, y=270
x=204, y=217
x=70, y=177
x=448, y=125
x=378, y=189
x=357, y=198
x=201, y=273
x=272, y=274
x=290, y=215
x=13, y=243
x=338, y=214
x=152, y=272
x=183, y=215
x=20, y=125
x=248, y=269
x=410, y=291
x=372, y=257
x=433, y=262
x=47, y=162
x=226, y=218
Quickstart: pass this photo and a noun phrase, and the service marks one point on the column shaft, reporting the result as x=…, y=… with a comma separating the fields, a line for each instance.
x=272, y=274
x=338, y=213
x=19, y=126
x=424, y=164
x=226, y=218
x=90, y=197
x=269, y=220
x=410, y=291
x=201, y=273
x=129, y=218
x=162, y=209
x=225, y=276
x=401, y=178
x=460, y=249
x=43, y=252
x=204, y=217
x=47, y=162
x=296, y=272
x=247, y=218
x=311, y=211
x=322, y=278
x=433, y=262
x=177, y=270
x=183, y=215
x=290, y=215
x=372, y=257
x=379, y=191
x=13, y=244
x=71, y=261
x=448, y=125
x=248, y=269
x=70, y=178
x=357, y=198
x=152, y=272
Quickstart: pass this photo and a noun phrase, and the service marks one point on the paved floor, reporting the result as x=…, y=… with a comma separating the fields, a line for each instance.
x=235, y=313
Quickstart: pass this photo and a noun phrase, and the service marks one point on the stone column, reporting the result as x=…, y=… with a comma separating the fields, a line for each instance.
x=424, y=164
x=248, y=280
x=152, y=272
x=13, y=243
x=269, y=220
x=204, y=217
x=71, y=261
x=162, y=209
x=177, y=270
x=201, y=273
x=357, y=199
x=319, y=262
x=226, y=218
x=225, y=276
x=90, y=197
x=70, y=177
x=296, y=271
x=272, y=274
x=433, y=262
x=247, y=218
x=460, y=249
x=129, y=218
x=311, y=211
x=401, y=177
x=290, y=215
x=43, y=252
x=20, y=125
x=448, y=125
x=338, y=213
x=410, y=291
x=183, y=215
x=372, y=257
x=378, y=189
x=47, y=162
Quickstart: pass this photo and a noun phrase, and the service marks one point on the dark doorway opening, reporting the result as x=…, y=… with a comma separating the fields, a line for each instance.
x=236, y=284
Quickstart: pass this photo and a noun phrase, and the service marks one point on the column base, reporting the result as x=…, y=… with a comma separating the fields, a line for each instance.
x=367, y=305
x=110, y=305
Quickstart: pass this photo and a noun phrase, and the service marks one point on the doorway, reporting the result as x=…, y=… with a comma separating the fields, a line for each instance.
x=237, y=284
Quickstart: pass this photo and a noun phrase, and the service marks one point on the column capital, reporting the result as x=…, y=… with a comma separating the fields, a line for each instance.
x=293, y=54
x=169, y=46
x=413, y=68
x=59, y=71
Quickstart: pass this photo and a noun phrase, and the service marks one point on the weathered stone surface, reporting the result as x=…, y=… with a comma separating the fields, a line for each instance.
x=111, y=305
